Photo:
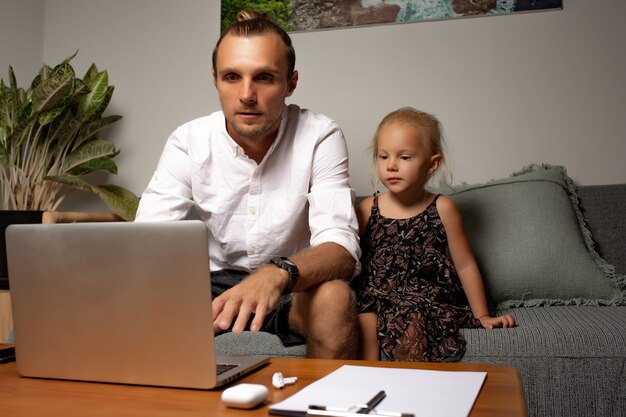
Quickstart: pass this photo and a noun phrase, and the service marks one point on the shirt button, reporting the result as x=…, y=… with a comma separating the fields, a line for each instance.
x=253, y=211
x=252, y=250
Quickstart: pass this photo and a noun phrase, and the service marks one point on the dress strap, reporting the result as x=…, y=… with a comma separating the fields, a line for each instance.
x=374, y=211
x=433, y=205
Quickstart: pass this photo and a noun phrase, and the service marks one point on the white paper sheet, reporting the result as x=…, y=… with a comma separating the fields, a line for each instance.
x=416, y=391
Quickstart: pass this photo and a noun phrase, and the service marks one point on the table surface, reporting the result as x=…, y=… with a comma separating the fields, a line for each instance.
x=501, y=395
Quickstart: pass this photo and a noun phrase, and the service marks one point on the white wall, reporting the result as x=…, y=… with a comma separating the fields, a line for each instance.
x=21, y=39
x=509, y=90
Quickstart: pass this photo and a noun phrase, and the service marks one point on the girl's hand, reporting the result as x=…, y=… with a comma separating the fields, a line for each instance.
x=505, y=321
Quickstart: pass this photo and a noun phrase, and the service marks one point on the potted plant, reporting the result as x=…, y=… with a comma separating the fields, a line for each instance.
x=50, y=138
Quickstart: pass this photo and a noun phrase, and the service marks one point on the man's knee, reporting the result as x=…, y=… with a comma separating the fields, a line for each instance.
x=330, y=301
x=334, y=296
x=326, y=315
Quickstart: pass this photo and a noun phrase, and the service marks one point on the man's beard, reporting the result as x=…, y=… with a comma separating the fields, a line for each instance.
x=252, y=132
x=249, y=132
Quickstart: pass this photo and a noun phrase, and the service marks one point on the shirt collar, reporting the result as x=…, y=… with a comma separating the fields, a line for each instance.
x=284, y=119
x=237, y=150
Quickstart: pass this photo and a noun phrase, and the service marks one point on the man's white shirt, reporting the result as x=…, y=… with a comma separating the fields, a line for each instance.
x=298, y=196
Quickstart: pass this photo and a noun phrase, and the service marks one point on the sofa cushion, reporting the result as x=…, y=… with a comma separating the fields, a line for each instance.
x=257, y=343
x=571, y=359
x=531, y=243
x=553, y=332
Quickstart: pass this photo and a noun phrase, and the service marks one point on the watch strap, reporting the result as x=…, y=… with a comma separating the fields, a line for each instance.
x=291, y=268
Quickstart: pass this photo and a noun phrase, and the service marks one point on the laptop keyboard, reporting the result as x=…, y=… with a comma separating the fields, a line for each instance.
x=223, y=367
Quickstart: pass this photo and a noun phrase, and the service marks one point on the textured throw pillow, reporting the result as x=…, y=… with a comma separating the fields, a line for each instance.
x=531, y=243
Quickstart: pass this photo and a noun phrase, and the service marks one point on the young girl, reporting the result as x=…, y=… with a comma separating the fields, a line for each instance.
x=412, y=297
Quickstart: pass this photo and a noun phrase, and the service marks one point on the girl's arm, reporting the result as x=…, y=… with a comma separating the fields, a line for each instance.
x=368, y=340
x=363, y=212
x=466, y=266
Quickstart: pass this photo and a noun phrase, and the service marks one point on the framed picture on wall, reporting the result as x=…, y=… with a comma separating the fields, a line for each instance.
x=306, y=15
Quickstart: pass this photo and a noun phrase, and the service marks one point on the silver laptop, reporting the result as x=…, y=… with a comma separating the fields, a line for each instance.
x=117, y=302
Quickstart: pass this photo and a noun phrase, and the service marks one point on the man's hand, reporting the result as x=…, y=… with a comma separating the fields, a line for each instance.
x=258, y=294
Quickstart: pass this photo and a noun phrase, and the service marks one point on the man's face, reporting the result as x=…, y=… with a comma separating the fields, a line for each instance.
x=251, y=79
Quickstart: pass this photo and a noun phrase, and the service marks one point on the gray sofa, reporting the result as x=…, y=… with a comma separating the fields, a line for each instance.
x=532, y=237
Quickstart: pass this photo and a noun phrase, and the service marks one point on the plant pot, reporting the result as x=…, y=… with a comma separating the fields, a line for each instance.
x=8, y=217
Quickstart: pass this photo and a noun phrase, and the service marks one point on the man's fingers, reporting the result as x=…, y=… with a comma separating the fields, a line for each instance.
x=252, y=296
x=242, y=318
x=225, y=317
x=217, y=305
x=259, y=316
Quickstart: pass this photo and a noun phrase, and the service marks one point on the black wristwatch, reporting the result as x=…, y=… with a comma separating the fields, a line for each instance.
x=291, y=268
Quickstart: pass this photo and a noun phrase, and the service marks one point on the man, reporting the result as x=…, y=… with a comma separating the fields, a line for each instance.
x=270, y=181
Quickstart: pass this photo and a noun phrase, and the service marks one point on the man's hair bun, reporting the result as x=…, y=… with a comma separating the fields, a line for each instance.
x=249, y=15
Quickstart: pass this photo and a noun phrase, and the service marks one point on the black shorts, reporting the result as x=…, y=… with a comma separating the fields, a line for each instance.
x=276, y=321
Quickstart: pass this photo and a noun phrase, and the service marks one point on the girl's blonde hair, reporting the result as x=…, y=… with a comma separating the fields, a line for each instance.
x=431, y=132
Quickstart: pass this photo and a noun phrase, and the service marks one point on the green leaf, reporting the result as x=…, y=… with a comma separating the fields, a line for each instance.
x=91, y=103
x=120, y=200
x=12, y=79
x=11, y=99
x=90, y=74
x=105, y=102
x=72, y=181
x=87, y=152
x=80, y=88
x=48, y=116
x=18, y=134
x=99, y=164
x=63, y=131
x=69, y=58
x=6, y=106
x=43, y=74
x=25, y=114
x=90, y=131
x=15, y=98
x=54, y=91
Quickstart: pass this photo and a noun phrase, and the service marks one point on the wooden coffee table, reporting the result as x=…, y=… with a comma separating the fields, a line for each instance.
x=501, y=395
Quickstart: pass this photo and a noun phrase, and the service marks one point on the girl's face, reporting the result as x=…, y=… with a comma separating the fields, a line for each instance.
x=404, y=161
